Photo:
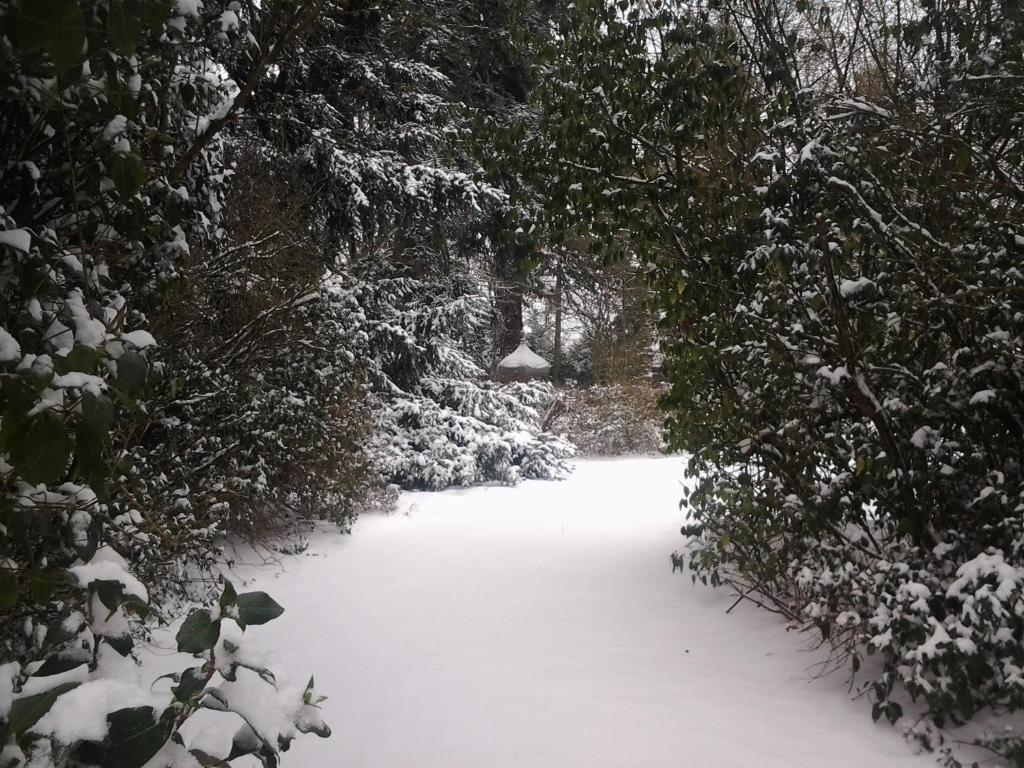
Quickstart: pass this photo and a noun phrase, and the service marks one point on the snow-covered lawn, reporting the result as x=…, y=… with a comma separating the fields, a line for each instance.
x=541, y=627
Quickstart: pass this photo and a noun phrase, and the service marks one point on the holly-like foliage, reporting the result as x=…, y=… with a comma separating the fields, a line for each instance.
x=113, y=175
x=831, y=218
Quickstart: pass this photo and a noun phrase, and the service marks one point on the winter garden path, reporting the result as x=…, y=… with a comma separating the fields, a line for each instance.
x=541, y=627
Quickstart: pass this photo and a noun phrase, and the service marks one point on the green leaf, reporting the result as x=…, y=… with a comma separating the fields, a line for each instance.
x=123, y=644
x=257, y=608
x=963, y=160
x=136, y=606
x=124, y=23
x=134, y=735
x=229, y=596
x=192, y=681
x=110, y=592
x=55, y=26
x=42, y=584
x=41, y=454
x=97, y=412
x=132, y=369
x=156, y=13
x=58, y=634
x=27, y=711
x=244, y=744
x=89, y=460
x=187, y=92
x=81, y=358
x=198, y=633
x=56, y=665
x=8, y=591
x=90, y=441
x=208, y=761
x=128, y=173
x=19, y=401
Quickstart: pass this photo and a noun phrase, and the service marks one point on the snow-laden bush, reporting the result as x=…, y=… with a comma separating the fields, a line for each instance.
x=264, y=414
x=440, y=422
x=866, y=472
x=945, y=620
x=84, y=703
x=112, y=176
x=836, y=250
x=612, y=419
x=95, y=211
x=465, y=432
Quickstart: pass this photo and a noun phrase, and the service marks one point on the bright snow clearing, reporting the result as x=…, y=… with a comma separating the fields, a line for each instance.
x=541, y=627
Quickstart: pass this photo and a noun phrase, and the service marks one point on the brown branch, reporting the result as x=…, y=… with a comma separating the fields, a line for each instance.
x=863, y=401
x=301, y=18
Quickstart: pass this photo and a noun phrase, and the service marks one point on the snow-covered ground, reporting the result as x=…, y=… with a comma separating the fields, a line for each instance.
x=541, y=627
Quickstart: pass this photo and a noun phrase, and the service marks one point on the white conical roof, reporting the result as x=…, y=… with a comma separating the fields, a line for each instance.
x=524, y=357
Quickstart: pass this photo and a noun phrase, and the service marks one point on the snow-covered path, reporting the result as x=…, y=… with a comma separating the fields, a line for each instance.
x=541, y=627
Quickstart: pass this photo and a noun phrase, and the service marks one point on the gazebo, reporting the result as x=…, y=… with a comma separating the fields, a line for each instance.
x=522, y=365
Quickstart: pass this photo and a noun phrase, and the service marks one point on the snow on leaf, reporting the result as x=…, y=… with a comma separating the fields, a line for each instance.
x=18, y=239
x=10, y=350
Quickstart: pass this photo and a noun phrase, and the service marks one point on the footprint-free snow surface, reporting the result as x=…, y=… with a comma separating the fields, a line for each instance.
x=541, y=627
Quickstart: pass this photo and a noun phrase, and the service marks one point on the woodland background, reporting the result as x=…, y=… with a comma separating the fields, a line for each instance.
x=259, y=260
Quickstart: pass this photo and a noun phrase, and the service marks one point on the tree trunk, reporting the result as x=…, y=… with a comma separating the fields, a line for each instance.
x=509, y=299
x=556, y=363
x=510, y=308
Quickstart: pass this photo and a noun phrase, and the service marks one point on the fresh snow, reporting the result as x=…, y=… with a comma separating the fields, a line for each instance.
x=850, y=288
x=139, y=339
x=117, y=126
x=82, y=712
x=541, y=626
x=18, y=239
x=523, y=357
x=834, y=376
x=983, y=396
x=10, y=350
x=107, y=565
x=8, y=674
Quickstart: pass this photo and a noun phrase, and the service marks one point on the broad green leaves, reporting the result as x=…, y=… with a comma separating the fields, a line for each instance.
x=248, y=608
x=135, y=735
x=190, y=683
x=8, y=590
x=27, y=711
x=41, y=449
x=124, y=23
x=132, y=370
x=97, y=418
x=81, y=358
x=128, y=172
x=109, y=592
x=55, y=665
x=54, y=26
x=198, y=633
x=89, y=92
x=257, y=608
x=228, y=596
